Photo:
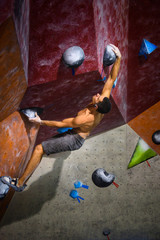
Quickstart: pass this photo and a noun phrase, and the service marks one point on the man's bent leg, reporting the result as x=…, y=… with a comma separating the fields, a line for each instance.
x=32, y=165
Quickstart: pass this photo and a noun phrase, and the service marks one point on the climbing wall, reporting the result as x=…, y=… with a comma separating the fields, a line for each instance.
x=52, y=105
x=143, y=74
x=51, y=84
x=13, y=83
x=59, y=25
x=111, y=24
x=143, y=71
x=21, y=11
x=146, y=124
x=5, y=9
x=17, y=135
x=39, y=32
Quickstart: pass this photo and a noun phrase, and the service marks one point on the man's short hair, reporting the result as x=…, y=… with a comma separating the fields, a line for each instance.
x=104, y=106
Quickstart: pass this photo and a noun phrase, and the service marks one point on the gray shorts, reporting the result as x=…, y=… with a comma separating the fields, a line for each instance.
x=67, y=141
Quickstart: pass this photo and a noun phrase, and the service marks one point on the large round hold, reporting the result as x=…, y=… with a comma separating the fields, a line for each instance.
x=30, y=112
x=101, y=178
x=106, y=232
x=73, y=56
x=156, y=137
x=109, y=56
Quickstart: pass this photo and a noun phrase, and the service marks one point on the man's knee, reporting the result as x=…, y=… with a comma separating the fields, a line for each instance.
x=39, y=149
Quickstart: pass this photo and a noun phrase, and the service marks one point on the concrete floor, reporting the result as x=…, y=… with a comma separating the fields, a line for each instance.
x=46, y=211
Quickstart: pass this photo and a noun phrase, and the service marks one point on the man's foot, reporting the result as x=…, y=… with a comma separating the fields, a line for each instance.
x=13, y=183
x=4, y=188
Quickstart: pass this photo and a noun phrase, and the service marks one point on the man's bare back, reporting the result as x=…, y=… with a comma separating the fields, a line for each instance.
x=92, y=119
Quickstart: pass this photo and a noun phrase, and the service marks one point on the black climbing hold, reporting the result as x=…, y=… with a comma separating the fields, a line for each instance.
x=4, y=188
x=101, y=178
x=106, y=232
x=30, y=112
x=73, y=57
x=109, y=56
x=156, y=137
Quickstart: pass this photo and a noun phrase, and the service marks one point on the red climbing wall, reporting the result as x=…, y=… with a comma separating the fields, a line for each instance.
x=17, y=139
x=57, y=26
x=111, y=24
x=143, y=75
x=90, y=25
x=17, y=135
x=69, y=100
x=13, y=83
x=51, y=84
x=5, y=9
x=45, y=29
x=21, y=18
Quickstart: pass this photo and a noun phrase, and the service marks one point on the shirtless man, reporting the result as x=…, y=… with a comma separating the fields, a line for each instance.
x=85, y=121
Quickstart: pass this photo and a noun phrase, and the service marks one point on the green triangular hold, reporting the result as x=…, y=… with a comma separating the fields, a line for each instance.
x=141, y=153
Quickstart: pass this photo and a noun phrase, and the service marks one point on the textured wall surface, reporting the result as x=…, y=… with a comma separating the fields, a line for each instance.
x=68, y=104
x=6, y=7
x=111, y=24
x=146, y=124
x=21, y=18
x=143, y=89
x=49, y=38
x=16, y=136
x=45, y=29
x=57, y=26
x=17, y=139
x=12, y=78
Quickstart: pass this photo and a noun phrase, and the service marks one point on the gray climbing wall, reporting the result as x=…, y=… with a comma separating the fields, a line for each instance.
x=46, y=211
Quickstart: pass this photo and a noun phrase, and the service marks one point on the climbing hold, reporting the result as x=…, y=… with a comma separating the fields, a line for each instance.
x=148, y=163
x=102, y=80
x=106, y=232
x=73, y=57
x=74, y=194
x=30, y=112
x=156, y=137
x=79, y=184
x=4, y=188
x=62, y=130
x=115, y=83
x=141, y=153
x=73, y=71
x=101, y=178
x=109, y=56
x=146, y=48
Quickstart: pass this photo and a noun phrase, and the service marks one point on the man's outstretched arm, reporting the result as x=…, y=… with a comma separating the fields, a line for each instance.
x=68, y=122
x=113, y=74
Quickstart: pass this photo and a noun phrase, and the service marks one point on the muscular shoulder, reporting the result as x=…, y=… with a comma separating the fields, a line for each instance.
x=82, y=119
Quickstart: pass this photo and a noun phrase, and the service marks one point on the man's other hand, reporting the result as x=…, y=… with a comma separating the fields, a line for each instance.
x=36, y=119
